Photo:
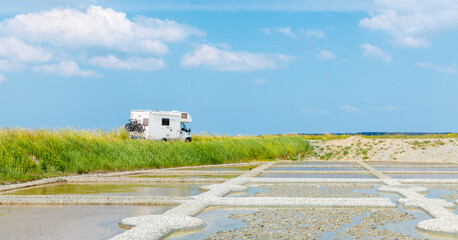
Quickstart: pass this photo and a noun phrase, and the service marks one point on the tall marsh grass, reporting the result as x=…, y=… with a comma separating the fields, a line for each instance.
x=32, y=154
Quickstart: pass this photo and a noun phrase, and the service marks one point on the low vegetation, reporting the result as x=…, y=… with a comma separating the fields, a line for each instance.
x=33, y=154
x=326, y=137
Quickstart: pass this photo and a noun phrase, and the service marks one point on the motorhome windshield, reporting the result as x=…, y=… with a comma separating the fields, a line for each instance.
x=183, y=128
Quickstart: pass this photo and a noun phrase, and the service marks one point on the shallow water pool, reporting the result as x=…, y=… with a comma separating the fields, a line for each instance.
x=320, y=163
x=242, y=168
x=113, y=189
x=183, y=176
x=318, y=175
x=217, y=219
x=423, y=169
x=330, y=168
x=433, y=176
x=67, y=222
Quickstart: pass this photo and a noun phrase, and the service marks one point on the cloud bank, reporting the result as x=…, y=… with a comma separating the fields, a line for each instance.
x=52, y=41
x=97, y=27
x=375, y=52
x=412, y=22
x=325, y=55
x=226, y=60
x=131, y=63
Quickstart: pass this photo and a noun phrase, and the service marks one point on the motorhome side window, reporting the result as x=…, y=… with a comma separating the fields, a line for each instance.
x=165, y=121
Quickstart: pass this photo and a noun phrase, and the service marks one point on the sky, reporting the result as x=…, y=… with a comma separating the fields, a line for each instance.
x=245, y=67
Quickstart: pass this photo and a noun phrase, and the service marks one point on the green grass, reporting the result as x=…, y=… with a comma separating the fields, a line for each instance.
x=34, y=154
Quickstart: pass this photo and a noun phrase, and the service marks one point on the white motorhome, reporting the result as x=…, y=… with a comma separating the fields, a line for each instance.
x=159, y=125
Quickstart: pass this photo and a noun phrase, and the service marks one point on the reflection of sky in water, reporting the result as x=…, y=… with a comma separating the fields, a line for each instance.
x=242, y=168
x=319, y=163
x=377, y=163
x=254, y=189
x=436, y=193
x=68, y=222
x=249, y=193
x=349, y=168
x=433, y=176
x=335, y=234
x=372, y=190
x=415, y=169
x=217, y=219
x=405, y=227
x=183, y=176
x=315, y=176
x=114, y=189
x=408, y=227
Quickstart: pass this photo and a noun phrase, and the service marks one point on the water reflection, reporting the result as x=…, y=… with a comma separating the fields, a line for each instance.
x=310, y=168
x=416, y=169
x=217, y=219
x=433, y=176
x=67, y=222
x=316, y=176
x=183, y=176
x=242, y=168
x=114, y=189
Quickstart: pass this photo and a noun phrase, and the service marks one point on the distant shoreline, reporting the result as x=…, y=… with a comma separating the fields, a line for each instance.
x=381, y=133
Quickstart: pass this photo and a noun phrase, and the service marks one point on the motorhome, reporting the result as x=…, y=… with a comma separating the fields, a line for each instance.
x=159, y=125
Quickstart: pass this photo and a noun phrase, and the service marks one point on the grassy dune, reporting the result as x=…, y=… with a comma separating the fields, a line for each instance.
x=33, y=154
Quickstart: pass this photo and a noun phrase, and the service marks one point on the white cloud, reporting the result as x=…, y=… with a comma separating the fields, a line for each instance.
x=450, y=69
x=447, y=69
x=315, y=33
x=311, y=33
x=132, y=63
x=325, y=55
x=349, y=109
x=65, y=68
x=387, y=108
x=370, y=101
x=2, y=78
x=226, y=60
x=283, y=30
x=424, y=64
x=375, y=52
x=253, y=5
x=97, y=27
x=411, y=22
x=16, y=49
x=265, y=30
x=313, y=111
x=260, y=81
x=391, y=108
x=286, y=31
x=10, y=65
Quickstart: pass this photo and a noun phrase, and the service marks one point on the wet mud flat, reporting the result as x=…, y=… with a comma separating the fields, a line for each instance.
x=307, y=223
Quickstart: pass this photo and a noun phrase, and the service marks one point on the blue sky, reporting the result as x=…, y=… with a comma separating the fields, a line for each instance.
x=238, y=67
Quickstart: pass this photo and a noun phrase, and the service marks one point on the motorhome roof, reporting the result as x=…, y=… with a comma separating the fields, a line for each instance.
x=186, y=119
x=160, y=112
